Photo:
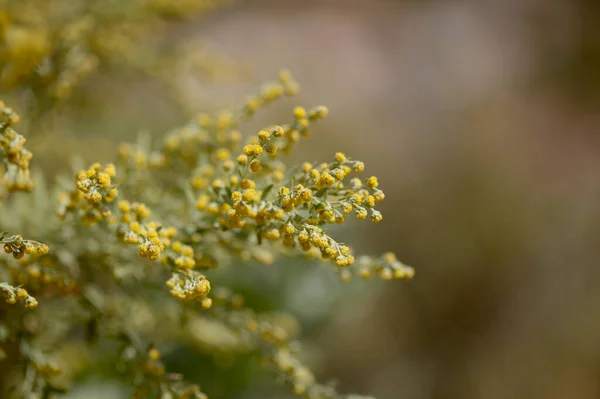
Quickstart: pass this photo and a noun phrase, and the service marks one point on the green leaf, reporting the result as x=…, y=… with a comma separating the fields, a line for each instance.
x=267, y=190
x=321, y=193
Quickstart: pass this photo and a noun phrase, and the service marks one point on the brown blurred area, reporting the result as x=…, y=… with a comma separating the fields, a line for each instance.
x=481, y=120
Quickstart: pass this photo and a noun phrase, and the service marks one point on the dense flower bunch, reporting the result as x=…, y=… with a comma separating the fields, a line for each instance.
x=14, y=155
x=129, y=262
x=239, y=201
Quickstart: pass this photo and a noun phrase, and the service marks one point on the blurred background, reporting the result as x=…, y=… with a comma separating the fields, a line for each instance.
x=481, y=120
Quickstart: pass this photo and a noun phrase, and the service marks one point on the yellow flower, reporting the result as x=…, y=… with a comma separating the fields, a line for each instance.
x=177, y=246
x=187, y=251
x=271, y=149
x=361, y=214
x=110, y=170
x=325, y=180
x=347, y=208
x=202, y=202
x=249, y=195
x=386, y=274
x=255, y=166
x=42, y=249
x=372, y=182
x=236, y=196
x=289, y=229
x=299, y=113
x=206, y=303
x=242, y=159
x=306, y=195
x=222, y=154
x=303, y=123
x=359, y=167
x=142, y=211
x=319, y=112
x=376, y=217
x=253, y=150
x=96, y=196
x=272, y=234
x=365, y=273
x=22, y=294
x=277, y=131
x=246, y=183
x=218, y=184
x=253, y=104
x=263, y=136
x=338, y=174
x=31, y=303
x=154, y=354
x=103, y=179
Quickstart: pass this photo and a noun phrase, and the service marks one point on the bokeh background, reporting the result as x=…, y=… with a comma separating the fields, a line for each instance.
x=481, y=120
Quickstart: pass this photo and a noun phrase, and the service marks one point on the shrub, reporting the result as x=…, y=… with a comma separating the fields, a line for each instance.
x=158, y=220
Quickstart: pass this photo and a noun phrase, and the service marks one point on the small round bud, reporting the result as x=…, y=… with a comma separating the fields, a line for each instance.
x=263, y=136
x=31, y=303
x=359, y=166
x=277, y=131
x=154, y=354
x=299, y=113
x=253, y=150
x=376, y=217
x=206, y=303
x=372, y=182
x=255, y=166
x=22, y=294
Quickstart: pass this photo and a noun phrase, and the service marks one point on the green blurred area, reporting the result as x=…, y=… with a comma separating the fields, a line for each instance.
x=480, y=119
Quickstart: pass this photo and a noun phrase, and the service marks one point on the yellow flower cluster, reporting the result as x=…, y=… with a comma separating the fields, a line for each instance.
x=189, y=285
x=14, y=155
x=135, y=158
x=286, y=85
x=94, y=191
x=52, y=49
x=14, y=294
x=386, y=266
x=294, y=213
x=273, y=335
x=219, y=199
x=18, y=247
x=152, y=239
x=135, y=229
x=298, y=375
x=94, y=182
x=301, y=125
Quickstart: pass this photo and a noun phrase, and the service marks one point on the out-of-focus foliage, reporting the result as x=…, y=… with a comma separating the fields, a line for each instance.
x=49, y=47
